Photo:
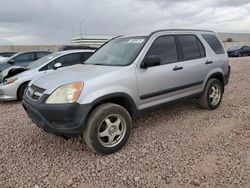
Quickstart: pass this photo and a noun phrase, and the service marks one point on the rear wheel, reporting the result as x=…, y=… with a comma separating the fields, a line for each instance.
x=108, y=128
x=212, y=95
x=21, y=90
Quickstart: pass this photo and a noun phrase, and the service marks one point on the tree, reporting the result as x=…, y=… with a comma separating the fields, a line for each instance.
x=229, y=40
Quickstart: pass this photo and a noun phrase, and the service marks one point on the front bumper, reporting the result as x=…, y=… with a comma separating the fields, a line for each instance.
x=8, y=92
x=60, y=119
x=233, y=54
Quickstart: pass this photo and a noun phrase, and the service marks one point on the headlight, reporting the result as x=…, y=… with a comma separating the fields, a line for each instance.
x=9, y=81
x=68, y=93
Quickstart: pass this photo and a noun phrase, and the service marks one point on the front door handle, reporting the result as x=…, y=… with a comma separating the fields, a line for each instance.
x=177, y=68
x=209, y=62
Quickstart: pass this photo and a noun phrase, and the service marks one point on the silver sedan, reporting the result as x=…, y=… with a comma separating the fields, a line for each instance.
x=14, y=80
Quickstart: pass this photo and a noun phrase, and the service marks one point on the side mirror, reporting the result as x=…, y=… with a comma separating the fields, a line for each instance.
x=11, y=62
x=151, y=61
x=57, y=65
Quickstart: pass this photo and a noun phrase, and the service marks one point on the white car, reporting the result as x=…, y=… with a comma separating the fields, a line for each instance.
x=14, y=80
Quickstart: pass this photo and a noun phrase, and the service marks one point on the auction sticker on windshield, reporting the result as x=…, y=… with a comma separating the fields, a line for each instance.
x=137, y=41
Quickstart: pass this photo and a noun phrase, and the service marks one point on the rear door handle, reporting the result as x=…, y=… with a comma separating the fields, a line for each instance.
x=177, y=68
x=209, y=62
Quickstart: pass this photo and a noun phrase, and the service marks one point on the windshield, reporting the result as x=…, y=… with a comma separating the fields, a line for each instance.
x=43, y=60
x=3, y=59
x=234, y=48
x=118, y=52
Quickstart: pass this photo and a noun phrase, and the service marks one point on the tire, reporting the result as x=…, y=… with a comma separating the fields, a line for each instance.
x=105, y=123
x=213, y=90
x=21, y=90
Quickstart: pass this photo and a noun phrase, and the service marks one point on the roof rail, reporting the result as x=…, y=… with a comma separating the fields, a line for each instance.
x=162, y=30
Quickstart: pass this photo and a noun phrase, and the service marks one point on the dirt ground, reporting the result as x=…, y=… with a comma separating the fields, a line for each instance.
x=182, y=146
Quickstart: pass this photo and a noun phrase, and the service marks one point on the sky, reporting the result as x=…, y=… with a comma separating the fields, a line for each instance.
x=56, y=21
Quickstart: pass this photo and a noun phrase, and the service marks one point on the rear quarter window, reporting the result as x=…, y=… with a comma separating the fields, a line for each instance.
x=42, y=54
x=214, y=43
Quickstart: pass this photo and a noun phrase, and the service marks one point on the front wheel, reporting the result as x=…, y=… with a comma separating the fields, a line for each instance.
x=212, y=95
x=21, y=90
x=108, y=128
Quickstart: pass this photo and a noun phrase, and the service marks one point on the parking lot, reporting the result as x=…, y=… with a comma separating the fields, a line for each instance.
x=182, y=146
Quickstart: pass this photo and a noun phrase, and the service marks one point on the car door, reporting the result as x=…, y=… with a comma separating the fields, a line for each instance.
x=194, y=62
x=179, y=75
x=24, y=59
x=156, y=84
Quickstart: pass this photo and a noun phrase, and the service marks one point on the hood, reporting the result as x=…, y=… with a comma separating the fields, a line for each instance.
x=12, y=71
x=71, y=74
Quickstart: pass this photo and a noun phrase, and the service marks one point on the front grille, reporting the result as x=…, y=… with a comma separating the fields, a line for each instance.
x=35, y=92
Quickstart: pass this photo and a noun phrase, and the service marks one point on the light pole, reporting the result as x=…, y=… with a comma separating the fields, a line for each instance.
x=81, y=31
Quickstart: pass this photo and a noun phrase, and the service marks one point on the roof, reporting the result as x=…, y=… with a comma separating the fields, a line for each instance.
x=34, y=51
x=74, y=51
x=93, y=37
x=172, y=31
x=189, y=30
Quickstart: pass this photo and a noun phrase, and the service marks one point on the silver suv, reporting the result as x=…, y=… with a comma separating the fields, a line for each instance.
x=127, y=77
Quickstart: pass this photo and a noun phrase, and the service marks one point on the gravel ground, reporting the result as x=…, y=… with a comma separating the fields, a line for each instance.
x=183, y=146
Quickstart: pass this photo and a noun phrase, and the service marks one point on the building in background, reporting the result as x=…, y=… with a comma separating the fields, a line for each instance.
x=235, y=39
x=91, y=40
x=228, y=39
x=95, y=41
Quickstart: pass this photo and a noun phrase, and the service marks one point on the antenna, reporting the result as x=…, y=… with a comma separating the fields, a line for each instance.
x=72, y=33
x=81, y=31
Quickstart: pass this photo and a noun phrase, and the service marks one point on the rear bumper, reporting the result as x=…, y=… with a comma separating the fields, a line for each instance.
x=8, y=92
x=62, y=119
x=226, y=76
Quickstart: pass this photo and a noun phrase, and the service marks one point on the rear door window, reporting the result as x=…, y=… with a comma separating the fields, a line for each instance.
x=85, y=56
x=165, y=48
x=190, y=47
x=27, y=57
x=42, y=54
x=214, y=43
x=66, y=60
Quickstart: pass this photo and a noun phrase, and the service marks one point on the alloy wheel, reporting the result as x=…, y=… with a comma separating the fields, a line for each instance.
x=112, y=130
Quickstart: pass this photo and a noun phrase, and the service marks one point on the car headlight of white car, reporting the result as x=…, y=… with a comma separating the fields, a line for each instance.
x=9, y=81
x=65, y=94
